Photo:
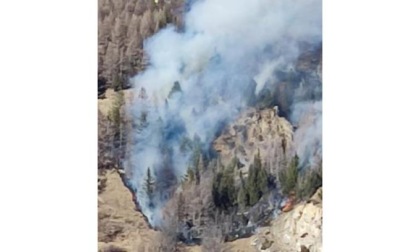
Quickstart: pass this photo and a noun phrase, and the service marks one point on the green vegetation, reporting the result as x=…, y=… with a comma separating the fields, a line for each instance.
x=257, y=182
x=224, y=190
x=144, y=113
x=243, y=195
x=288, y=177
x=308, y=182
x=252, y=187
x=249, y=191
x=197, y=165
x=303, y=183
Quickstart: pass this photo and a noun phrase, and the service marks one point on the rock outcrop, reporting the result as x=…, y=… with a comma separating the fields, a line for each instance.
x=299, y=230
x=255, y=130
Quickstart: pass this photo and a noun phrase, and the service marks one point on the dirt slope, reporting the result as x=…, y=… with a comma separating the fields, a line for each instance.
x=119, y=224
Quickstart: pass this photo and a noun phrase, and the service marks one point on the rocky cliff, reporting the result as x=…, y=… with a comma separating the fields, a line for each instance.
x=255, y=130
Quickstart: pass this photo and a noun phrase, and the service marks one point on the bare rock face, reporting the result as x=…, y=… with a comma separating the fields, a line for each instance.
x=255, y=130
x=299, y=230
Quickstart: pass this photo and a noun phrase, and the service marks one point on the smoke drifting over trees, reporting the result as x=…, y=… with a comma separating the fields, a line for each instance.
x=123, y=25
x=198, y=79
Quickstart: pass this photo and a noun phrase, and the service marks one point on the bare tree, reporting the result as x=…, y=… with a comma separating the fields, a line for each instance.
x=146, y=24
x=123, y=25
x=139, y=8
x=168, y=236
x=212, y=238
x=111, y=61
x=105, y=155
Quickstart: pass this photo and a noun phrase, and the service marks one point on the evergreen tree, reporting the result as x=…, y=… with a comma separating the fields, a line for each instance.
x=265, y=99
x=228, y=190
x=257, y=161
x=252, y=186
x=176, y=88
x=257, y=182
x=215, y=189
x=149, y=186
x=288, y=177
x=242, y=194
x=224, y=191
x=262, y=182
x=190, y=174
x=144, y=112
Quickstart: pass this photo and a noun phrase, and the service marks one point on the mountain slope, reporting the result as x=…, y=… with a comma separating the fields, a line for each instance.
x=119, y=223
x=122, y=227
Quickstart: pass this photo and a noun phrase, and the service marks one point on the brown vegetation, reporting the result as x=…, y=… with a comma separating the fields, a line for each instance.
x=123, y=25
x=112, y=133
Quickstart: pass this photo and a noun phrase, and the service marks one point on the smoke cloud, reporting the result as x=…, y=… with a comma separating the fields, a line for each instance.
x=201, y=78
x=308, y=136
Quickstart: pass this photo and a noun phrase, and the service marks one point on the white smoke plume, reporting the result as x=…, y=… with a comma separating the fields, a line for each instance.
x=308, y=136
x=225, y=45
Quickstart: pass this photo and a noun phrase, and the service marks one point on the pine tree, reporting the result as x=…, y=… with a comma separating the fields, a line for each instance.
x=257, y=161
x=242, y=194
x=176, y=88
x=190, y=174
x=224, y=191
x=262, y=178
x=228, y=189
x=252, y=186
x=149, y=186
x=288, y=177
x=144, y=112
x=257, y=182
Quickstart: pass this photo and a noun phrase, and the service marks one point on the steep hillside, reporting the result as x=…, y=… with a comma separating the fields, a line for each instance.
x=122, y=228
x=216, y=135
x=120, y=225
x=123, y=26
